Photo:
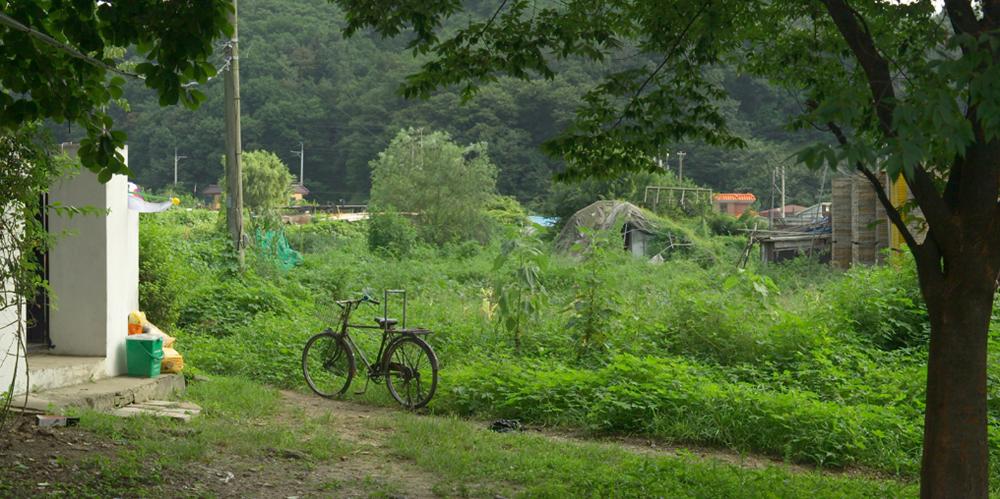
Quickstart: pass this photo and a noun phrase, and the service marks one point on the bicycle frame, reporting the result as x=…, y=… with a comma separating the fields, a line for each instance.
x=345, y=317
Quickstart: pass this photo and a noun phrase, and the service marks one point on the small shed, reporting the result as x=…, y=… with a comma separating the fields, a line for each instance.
x=633, y=223
x=212, y=194
x=299, y=192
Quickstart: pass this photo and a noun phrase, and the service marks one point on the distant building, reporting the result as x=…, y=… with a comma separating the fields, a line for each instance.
x=790, y=210
x=733, y=203
x=213, y=196
x=299, y=192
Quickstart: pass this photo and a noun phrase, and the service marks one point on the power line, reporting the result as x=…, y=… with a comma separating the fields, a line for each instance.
x=69, y=49
x=74, y=52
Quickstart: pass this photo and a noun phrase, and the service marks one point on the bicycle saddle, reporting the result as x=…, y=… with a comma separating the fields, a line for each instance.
x=384, y=322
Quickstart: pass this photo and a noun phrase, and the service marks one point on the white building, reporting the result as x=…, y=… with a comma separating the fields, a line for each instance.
x=93, y=274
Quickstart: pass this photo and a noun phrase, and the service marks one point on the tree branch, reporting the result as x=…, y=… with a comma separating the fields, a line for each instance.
x=991, y=14
x=962, y=16
x=875, y=66
x=666, y=58
x=490, y=21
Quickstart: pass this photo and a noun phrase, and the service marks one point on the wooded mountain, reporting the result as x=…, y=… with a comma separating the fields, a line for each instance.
x=302, y=81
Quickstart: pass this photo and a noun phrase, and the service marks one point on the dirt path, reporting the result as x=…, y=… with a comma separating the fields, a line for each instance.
x=347, y=415
x=77, y=462
x=370, y=464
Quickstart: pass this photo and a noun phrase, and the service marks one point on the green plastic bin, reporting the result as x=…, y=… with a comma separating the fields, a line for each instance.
x=144, y=353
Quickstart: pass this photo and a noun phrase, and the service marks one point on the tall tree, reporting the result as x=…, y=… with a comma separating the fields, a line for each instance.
x=446, y=185
x=901, y=86
x=58, y=56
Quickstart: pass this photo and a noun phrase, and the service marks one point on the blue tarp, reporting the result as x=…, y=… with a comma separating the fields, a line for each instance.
x=543, y=221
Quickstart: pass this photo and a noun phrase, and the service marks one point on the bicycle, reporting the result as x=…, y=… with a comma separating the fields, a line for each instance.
x=404, y=358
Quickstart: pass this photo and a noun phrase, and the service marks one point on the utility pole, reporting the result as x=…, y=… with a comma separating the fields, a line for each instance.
x=782, y=191
x=234, y=143
x=770, y=213
x=301, y=153
x=176, y=159
x=680, y=164
x=680, y=172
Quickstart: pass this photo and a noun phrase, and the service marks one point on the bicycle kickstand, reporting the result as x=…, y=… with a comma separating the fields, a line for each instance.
x=365, y=389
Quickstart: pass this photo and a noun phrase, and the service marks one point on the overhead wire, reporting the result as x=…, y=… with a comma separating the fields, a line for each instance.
x=64, y=47
x=74, y=52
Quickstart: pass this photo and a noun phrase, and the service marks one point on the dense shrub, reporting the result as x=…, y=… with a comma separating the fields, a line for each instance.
x=881, y=305
x=220, y=308
x=677, y=400
x=795, y=360
x=445, y=185
x=390, y=233
x=323, y=235
x=162, y=282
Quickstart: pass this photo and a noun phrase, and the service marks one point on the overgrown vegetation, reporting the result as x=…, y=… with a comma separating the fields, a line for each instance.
x=797, y=361
x=443, y=186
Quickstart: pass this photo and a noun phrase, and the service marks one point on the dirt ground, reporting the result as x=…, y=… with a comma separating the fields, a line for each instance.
x=65, y=461
x=61, y=462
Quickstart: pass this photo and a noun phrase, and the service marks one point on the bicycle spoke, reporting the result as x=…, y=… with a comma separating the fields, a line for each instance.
x=413, y=367
x=327, y=365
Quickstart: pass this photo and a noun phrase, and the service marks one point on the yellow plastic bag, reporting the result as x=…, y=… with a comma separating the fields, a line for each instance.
x=173, y=362
x=137, y=317
x=168, y=341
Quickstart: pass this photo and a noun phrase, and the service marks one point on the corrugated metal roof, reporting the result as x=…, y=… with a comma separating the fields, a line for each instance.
x=735, y=196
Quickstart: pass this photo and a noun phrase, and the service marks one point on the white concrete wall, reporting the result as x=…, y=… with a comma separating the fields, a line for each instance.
x=12, y=324
x=93, y=270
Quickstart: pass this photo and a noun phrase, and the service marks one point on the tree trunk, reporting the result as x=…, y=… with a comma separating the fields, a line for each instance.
x=955, y=455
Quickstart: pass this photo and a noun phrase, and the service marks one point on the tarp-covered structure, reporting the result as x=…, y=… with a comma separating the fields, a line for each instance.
x=633, y=223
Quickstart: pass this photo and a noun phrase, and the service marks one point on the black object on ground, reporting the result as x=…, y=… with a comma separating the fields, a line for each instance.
x=49, y=420
x=505, y=425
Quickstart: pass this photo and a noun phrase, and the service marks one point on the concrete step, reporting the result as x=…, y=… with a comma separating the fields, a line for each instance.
x=46, y=372
x=106, y=394
x=181, y=411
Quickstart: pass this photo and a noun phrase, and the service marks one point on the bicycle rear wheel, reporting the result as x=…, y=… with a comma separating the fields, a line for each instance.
x=411, y=372
x=328, y=364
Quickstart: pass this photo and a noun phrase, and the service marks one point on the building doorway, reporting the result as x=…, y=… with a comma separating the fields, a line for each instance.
x=37, y=334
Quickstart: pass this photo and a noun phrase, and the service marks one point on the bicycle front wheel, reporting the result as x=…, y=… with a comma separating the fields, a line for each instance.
x=411, y=372
x=328, y=365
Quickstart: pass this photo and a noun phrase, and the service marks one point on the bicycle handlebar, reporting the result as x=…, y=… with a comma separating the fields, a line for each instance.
x=363, y=299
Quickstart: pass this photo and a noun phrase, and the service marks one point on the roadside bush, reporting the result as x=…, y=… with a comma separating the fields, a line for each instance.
x=882, y=306
x=266, y=349
x=162, y=283
x=390, y=233
x=220, y=308
x=505, y=211
x=322, y=235
x=734, y=322
x=446, y=185
x=674, y=399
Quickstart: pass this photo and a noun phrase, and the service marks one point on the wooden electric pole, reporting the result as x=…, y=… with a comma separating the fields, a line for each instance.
x=234, y=143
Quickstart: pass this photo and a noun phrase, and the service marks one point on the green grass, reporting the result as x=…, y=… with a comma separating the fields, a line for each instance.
x=239, y=418
x=245, y=420
x=797, y=361
x=472, y=460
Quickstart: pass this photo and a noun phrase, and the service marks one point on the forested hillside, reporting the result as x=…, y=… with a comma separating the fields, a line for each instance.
x=302, y=81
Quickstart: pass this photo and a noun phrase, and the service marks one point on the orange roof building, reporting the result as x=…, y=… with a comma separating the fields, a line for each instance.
x=733, y=203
